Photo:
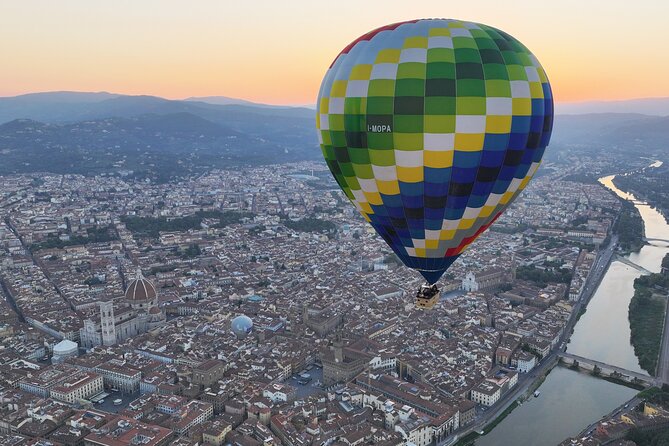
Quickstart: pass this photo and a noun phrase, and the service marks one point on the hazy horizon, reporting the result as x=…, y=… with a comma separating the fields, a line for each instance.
x=658, y=106
x=277, y=53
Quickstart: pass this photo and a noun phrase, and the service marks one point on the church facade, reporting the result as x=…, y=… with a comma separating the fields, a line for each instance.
x=137, y=313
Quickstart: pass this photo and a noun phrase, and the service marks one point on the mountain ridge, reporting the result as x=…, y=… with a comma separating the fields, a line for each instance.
x=68, y=106
x=103, y=132
x=649, y=106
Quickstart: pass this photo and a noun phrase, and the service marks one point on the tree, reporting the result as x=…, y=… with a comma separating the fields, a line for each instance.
x=192, y=251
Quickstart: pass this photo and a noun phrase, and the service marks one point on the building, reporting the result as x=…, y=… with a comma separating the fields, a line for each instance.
x=488, y=279
x=524, y=362
x=412, y=395
x=416, y=430
x=193, y=413
x=409, y=408
x=279, y=393
x=120, y=375
x=342, y=364
x=323, y=321
x=137, y=313
x=539, y=345
x=184, y=414
x=388, y=292
x=508, y=345
x=504, y=378
x=214, y=432
x=122, y=431
x=64, y=349
x=77, y=387
x=486, y=393
x=385, y=363
x=208, y=372
x=107, y=323
x=467, y=409
x=41, y=382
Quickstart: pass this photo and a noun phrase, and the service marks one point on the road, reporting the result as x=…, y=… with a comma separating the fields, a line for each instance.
x=626, y=407
x=10, y=300
x=663, y=360
x=597, y=271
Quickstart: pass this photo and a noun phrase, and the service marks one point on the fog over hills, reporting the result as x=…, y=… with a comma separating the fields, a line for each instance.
x=161, y=138
x=224, y=100
x=52, y=106
x=612, y=129
x=645, y=106
x=67, y=106
x=94, y=132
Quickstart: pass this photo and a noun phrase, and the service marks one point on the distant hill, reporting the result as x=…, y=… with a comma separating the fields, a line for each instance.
x=623, y=135
x=224, y=100
x=62, y=97
x=160, y=138
x=57, y=107
x=592, y=127
x=157, y=146
x=651, y=133
x=244, y=133
x=617, y=129
x=645, y=106
x=52, y=106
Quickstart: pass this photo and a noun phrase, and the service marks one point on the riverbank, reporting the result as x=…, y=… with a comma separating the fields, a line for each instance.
x=568, y=401
x=470, y=439
x=651, y=185
x=630, y=228
x=602, y=334
x=540, y=374
x=647, y=311
x=527, y=383
x=527, y=393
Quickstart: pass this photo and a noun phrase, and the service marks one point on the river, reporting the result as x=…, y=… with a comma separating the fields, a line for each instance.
x=570, y=400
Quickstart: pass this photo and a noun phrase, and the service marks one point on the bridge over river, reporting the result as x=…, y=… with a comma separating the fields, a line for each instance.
x=608, y=369
x=652, y=239
x=628, y=262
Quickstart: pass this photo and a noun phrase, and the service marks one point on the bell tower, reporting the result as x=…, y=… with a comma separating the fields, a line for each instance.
x=107, y=323
x=338, y=345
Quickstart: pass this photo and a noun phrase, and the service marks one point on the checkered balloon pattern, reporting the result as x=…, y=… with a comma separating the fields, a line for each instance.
x=432, y=128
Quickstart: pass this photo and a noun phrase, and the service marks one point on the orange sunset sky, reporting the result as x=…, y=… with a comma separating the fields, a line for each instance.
x=277, y=51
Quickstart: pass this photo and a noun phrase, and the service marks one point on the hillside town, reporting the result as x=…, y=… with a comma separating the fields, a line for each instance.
x=119, y=298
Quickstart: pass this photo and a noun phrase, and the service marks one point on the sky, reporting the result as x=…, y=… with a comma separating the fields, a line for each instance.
x=277, y=51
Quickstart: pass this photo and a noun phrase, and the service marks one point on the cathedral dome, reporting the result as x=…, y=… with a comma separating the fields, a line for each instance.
x=140, y=290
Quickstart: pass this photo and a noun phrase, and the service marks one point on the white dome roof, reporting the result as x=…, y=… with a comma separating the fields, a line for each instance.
x=65, y=347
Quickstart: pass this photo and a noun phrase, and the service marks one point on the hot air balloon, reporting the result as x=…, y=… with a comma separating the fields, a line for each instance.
x=432, y=128
x=241, y=326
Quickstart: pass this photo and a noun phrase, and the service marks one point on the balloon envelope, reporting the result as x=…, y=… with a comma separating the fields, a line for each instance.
x=432, y=128
x=241, y=326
